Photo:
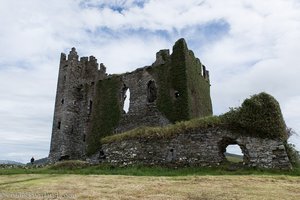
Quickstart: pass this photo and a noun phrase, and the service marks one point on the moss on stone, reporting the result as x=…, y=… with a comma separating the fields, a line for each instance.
x=165, y=132
x=198, y=88
x=164, y=101
x=259, y=116
x=181, y=76
x=178, y=77
x=106, y=112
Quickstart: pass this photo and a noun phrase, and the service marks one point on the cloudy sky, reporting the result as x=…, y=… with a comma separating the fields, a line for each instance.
x=249, y=46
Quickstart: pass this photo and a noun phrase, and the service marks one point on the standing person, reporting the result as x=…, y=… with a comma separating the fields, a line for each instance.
x=32, y=160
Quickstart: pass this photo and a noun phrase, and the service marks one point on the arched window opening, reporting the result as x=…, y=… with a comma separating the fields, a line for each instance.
x=126, y=101
x=234, y=153
x=90, y=106
x=151, y=91
x=125, y=98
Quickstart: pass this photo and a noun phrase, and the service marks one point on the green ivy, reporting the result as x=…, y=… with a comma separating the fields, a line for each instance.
x=293, y=154
x=198, y=88
x=179, y=80
x=106, y=112
x=181, y=73
x=260, y=116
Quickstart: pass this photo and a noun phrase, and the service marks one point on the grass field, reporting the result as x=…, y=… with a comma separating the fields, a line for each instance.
x=234, y=158
x=62, y=186
x=77, y=180
x=83, y=168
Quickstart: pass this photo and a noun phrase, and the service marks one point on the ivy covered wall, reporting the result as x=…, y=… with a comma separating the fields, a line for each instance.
x=182, y=93
x=106, y=112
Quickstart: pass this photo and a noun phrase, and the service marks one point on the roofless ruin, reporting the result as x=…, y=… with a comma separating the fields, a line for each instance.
x=169, y=120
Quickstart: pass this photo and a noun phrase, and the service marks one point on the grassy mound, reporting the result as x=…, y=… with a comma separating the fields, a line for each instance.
x=165, y=132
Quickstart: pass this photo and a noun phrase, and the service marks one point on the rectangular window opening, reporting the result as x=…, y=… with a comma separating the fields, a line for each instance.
x=90, y=107
x=58, y=125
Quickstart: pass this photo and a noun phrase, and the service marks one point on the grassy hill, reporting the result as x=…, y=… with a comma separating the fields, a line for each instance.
x=10, y=162
x=233, y=157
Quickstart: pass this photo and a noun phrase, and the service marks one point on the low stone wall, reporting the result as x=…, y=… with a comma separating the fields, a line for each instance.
x=197, y=148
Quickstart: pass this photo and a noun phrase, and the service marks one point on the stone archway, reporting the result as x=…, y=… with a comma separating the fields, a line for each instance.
x=234, y=154
x=227, y=141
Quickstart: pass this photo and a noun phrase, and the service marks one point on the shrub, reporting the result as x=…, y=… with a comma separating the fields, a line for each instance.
x=260, y=116
x=293, y=154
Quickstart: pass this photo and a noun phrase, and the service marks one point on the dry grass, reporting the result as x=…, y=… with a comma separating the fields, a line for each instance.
x=41, y=186
x=166, y=131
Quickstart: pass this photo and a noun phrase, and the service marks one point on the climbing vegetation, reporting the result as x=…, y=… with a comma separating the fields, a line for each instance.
x=259, y=116
x=106, y=113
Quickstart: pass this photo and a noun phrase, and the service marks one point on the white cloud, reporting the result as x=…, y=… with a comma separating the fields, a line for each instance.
x=249, y=47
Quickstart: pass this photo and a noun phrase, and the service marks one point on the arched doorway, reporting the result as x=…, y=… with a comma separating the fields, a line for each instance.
x=233, y=152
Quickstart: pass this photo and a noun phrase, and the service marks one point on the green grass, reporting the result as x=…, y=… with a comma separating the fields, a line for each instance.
x=104, y=169
x=234, y=159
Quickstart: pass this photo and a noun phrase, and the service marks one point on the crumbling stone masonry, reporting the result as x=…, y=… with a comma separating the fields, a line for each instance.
x=198, y=147
x=89, y=103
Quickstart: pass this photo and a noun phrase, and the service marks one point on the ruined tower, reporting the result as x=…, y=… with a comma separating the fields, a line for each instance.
x=73, y=105
x=89, y=103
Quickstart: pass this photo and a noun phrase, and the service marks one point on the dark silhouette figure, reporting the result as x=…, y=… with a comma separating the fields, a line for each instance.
x=32, y=160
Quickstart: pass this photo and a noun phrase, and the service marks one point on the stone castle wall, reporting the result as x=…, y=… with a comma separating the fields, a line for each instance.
x=72, y=105
x=200, y=147
x=142, y=112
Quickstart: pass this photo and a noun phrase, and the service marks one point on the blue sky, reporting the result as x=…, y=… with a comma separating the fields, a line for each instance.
x=249, y=46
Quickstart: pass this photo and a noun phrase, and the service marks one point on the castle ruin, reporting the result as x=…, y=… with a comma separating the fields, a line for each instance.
x=89, y=106
x=89, y=103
